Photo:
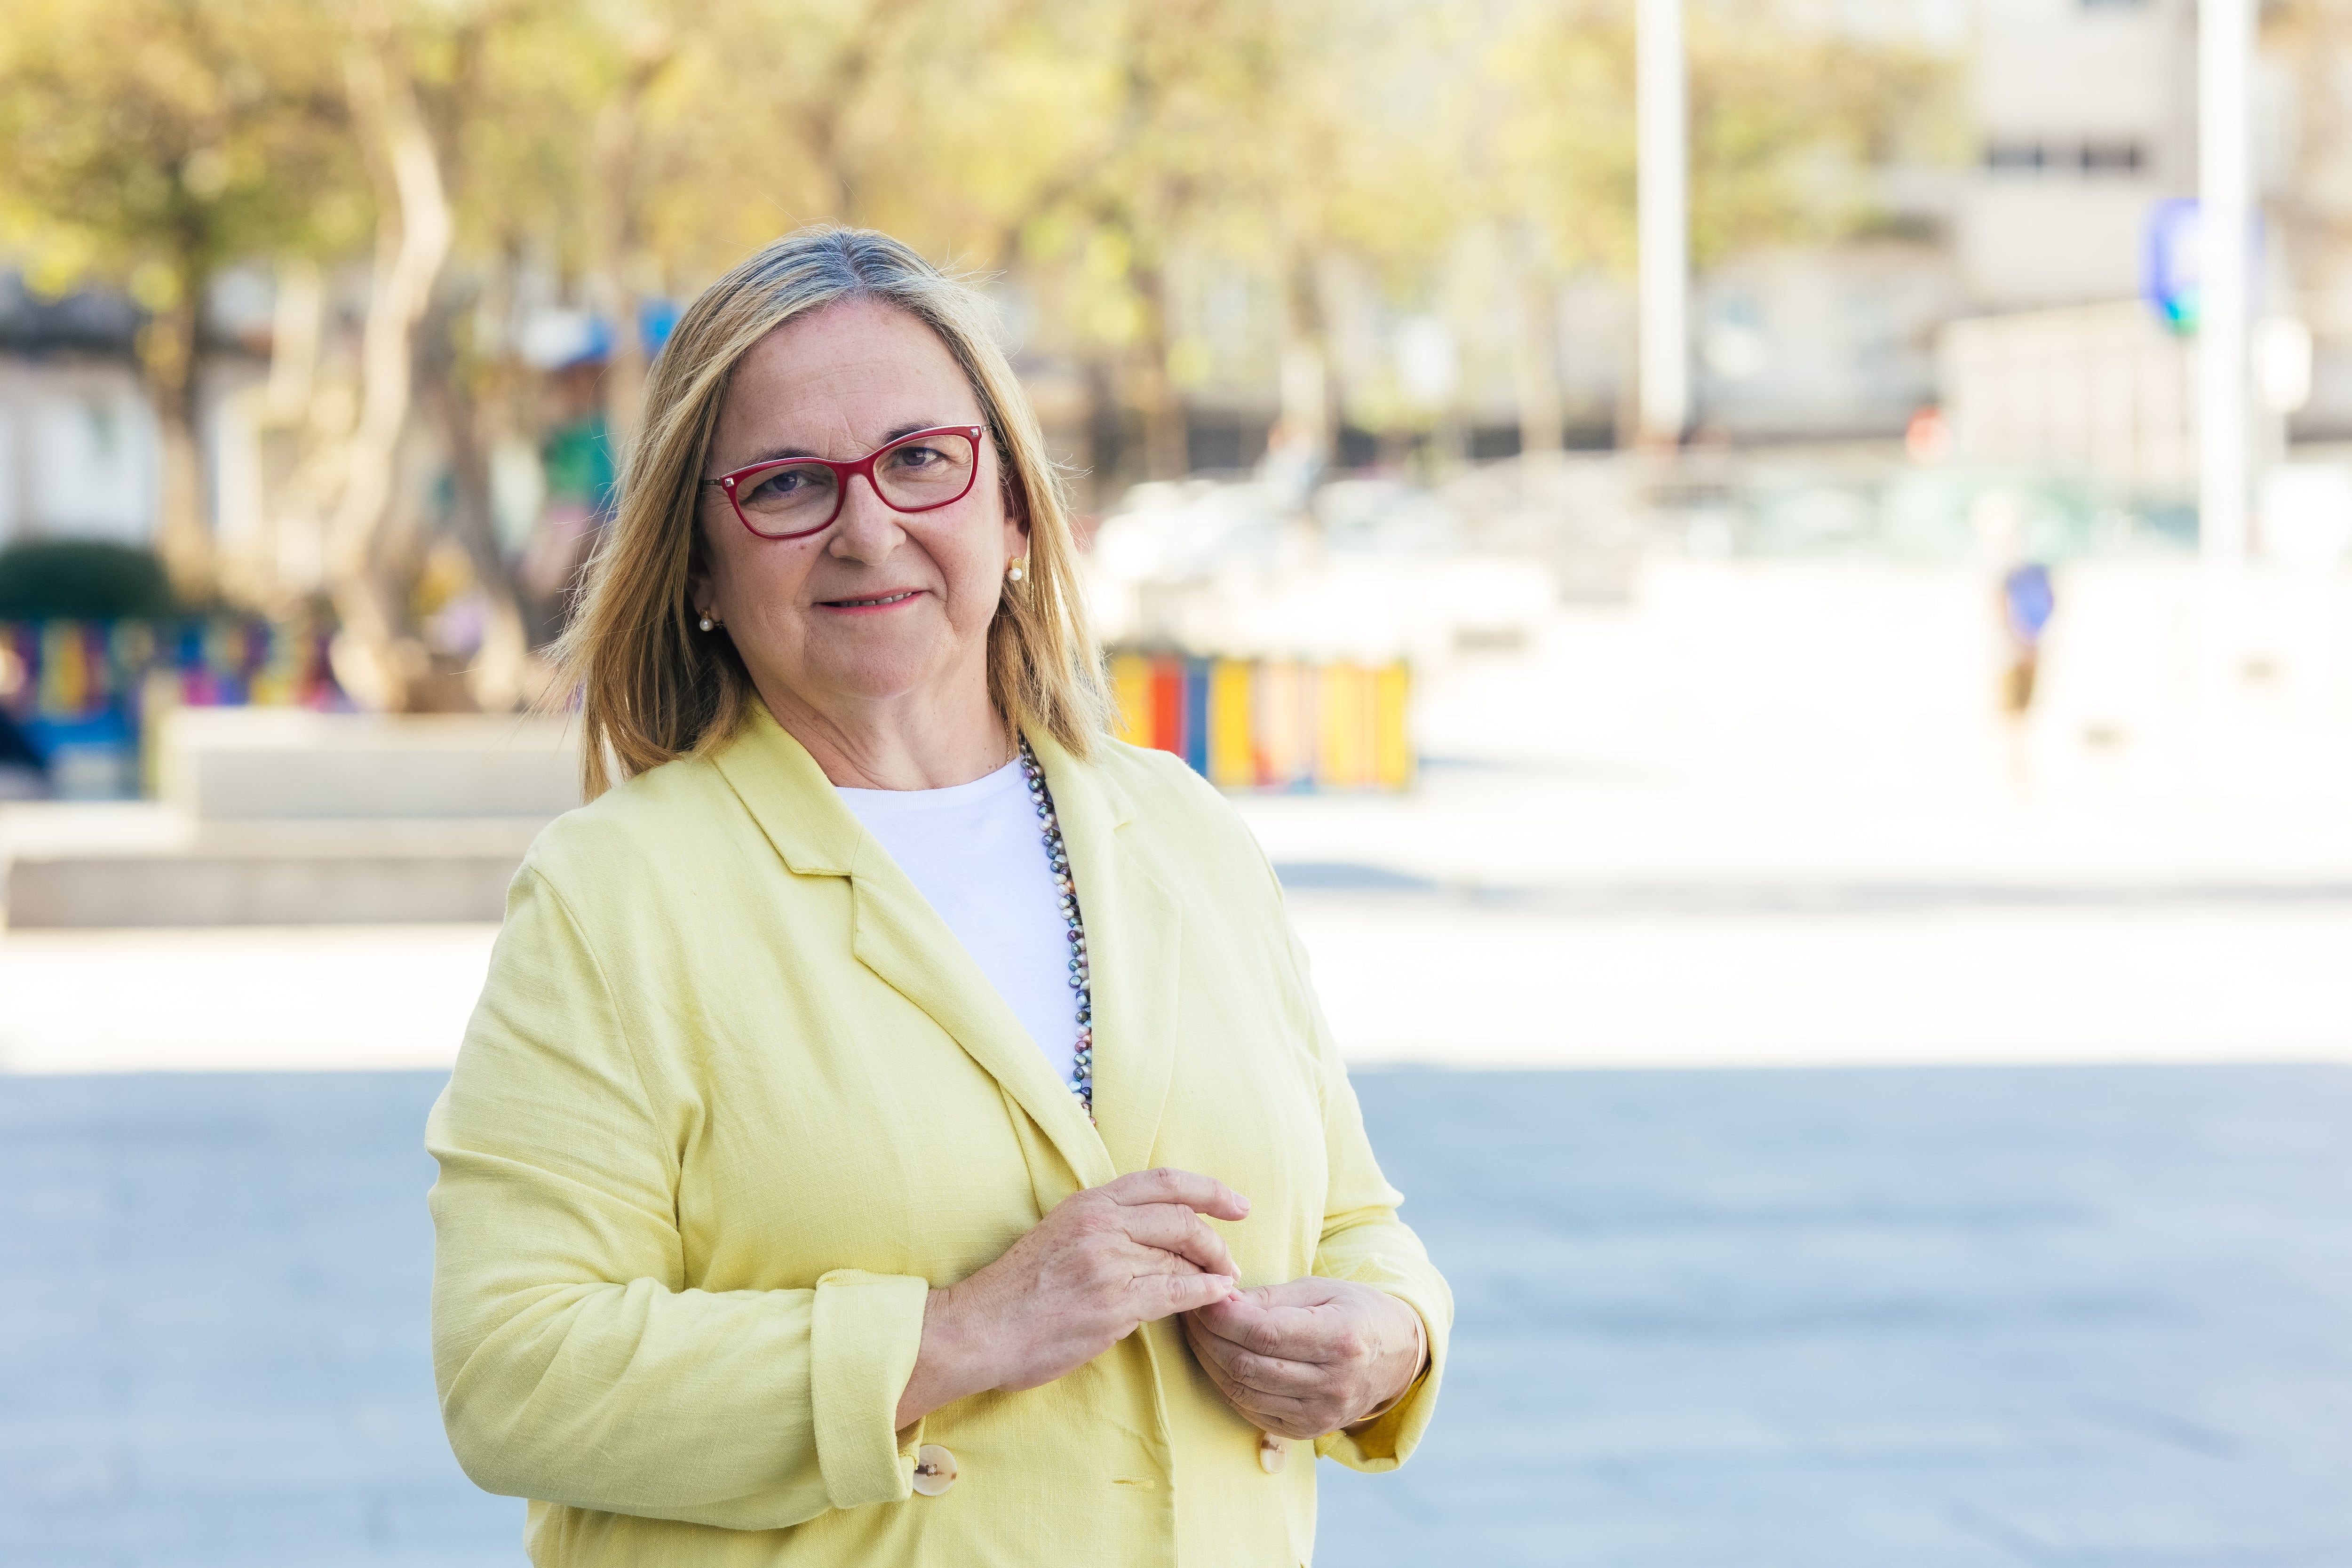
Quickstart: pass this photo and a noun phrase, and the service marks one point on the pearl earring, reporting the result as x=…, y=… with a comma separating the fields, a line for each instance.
x=1015, y=573
x=707, y=623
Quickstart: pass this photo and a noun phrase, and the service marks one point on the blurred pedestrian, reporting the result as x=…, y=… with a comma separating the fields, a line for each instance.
x=576, y=458
x=1293, y=465
x=23, y=774
x=786, y=1181
x=2026, y=599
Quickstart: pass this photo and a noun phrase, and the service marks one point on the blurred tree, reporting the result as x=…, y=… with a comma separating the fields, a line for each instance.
x=1196, y=77
x=2307, y=42
x=1199, y=135
x=468, y=116
x=377, y=658
x=1768, y=165
x=1326, y=164
x=502, y=90
x=616, y=229
x=149, y=146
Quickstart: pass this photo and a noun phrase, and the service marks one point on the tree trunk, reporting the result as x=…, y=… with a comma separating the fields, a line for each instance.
x=376, y=656
x=1307, y=412
x=613, y=232
x=1106, y=437
x=1536, y=368
x=1165, y=449
x=498, y=680
x=167, y=356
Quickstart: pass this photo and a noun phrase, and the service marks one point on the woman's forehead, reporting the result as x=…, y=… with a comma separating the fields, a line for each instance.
x=852, y=370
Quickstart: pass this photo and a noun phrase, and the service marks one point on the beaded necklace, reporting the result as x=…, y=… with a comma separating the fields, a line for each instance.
x=1065, y=890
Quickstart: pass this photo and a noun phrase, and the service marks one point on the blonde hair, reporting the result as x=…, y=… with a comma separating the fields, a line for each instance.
x=651, y=686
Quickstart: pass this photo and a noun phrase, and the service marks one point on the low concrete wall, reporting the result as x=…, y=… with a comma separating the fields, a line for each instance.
x=154, y=867
x=286, y=818
x=244, y=765
x=209, y=890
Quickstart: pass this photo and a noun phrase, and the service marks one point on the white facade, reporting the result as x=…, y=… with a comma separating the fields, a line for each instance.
x=1796, y=344
x=2102, y=390
x=2086, y=115
x=78, y=452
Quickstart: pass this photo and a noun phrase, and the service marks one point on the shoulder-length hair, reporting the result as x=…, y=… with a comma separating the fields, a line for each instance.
x=651, y=687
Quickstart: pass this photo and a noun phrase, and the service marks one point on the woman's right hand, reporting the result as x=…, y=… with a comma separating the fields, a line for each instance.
x=1104, y=1261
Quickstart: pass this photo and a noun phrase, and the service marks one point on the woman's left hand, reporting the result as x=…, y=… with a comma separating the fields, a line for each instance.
x=1310, y=1357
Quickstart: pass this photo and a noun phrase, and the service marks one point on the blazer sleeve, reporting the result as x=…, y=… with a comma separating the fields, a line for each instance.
x=575, y=1365
x=1365, y=1242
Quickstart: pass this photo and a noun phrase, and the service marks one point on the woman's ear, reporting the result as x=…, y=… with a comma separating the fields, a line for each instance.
x=701, y=594
x=1016, y=505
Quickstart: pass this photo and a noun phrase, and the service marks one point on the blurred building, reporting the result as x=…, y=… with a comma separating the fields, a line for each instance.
x=2085, y=114
x=2081, y=120
x=77, y=450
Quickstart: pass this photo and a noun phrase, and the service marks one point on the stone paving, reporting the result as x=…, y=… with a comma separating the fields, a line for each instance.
x=2081, y=1318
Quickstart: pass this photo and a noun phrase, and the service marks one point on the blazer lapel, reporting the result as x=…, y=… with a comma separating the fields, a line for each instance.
x=896, y=933
x=902, y=938
x=1133, y=937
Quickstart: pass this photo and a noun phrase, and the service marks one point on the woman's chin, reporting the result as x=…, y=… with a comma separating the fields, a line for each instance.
x=883, y=675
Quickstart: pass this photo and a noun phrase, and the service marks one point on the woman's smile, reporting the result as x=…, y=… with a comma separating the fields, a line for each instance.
x=873, y=602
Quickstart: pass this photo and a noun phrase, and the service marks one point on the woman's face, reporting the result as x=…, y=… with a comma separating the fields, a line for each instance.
x=883, y=604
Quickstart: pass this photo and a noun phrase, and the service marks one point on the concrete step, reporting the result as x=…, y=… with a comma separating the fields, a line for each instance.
x=278, y=816
x=151, y=867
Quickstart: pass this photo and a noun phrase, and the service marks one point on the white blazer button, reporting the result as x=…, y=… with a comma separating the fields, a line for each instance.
x=1272, y=1453
x=935, y=1469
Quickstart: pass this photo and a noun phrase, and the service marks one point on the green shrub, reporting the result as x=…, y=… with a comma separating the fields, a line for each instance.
x=81, y=580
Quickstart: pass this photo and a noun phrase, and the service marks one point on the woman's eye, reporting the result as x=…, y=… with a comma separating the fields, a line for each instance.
x=778, y=486
x=916, y=457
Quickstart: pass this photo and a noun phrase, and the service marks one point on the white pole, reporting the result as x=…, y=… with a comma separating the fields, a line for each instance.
x=2225, y=56
x=1662, y=154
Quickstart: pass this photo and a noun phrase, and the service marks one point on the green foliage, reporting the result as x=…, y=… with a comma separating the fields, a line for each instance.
x=81, y=580
x=1790, y=125
x=150, y=144
x=1118, y=157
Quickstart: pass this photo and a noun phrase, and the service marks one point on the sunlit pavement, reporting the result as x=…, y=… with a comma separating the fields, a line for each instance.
x=2070, y=1288
x=1730, y=842
x=1996, y=1316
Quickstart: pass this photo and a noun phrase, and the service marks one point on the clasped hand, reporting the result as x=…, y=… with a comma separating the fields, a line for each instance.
x=1299, y=1359
x=1309, y=1357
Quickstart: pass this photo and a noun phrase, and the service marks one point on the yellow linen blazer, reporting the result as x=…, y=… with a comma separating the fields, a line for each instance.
x=734, y=1098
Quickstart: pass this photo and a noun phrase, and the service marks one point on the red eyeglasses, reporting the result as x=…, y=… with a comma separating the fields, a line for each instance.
x=792, y=497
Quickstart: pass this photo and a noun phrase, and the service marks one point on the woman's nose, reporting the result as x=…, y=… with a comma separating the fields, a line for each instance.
x=868, y=529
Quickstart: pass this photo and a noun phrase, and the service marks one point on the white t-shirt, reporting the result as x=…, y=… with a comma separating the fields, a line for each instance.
x=978, y=853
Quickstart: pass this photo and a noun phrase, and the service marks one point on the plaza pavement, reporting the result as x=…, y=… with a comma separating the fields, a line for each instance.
x=2075, y=1318
x=2007, y=1225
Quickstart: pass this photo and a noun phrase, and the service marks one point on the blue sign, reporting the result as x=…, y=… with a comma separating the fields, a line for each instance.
x=2171, y=266
x=656, y=318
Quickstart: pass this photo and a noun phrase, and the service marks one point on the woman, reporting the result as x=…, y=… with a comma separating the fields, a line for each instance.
x=898, y=1127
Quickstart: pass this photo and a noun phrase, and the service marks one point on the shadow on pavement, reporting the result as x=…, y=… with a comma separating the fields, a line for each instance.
x=1989, y=1316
